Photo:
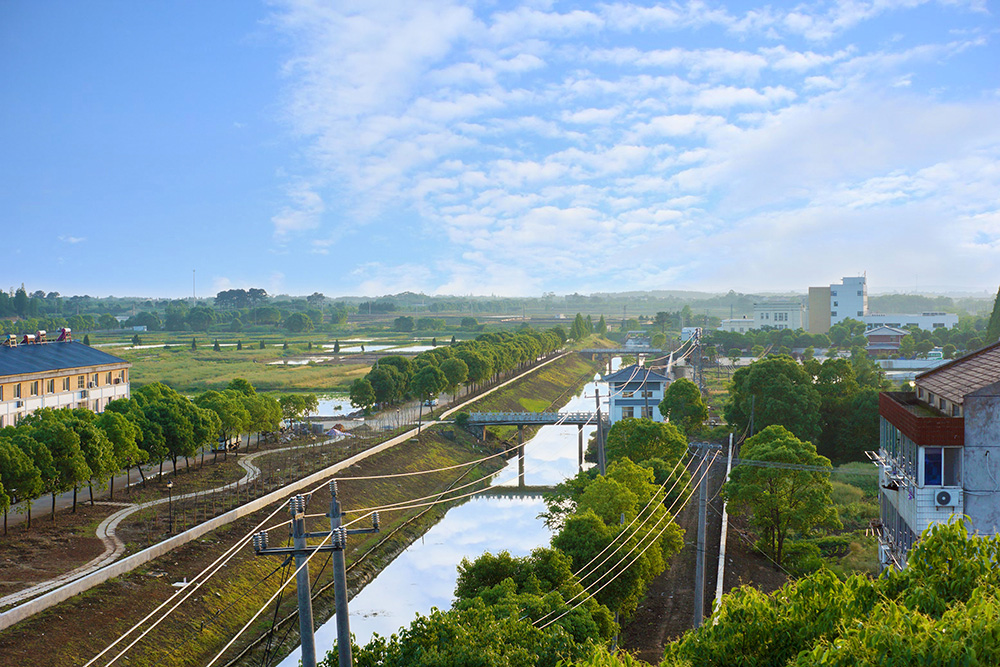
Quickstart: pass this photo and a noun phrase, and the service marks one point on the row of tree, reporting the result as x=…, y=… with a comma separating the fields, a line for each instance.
x=396, y=378
x=57, y=450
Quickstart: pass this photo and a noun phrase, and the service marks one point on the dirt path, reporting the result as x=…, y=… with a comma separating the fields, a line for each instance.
x=667, y=611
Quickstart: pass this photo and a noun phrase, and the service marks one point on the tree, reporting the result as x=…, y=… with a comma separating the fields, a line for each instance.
x=67, y=467
x=336, y=347
x=579, y=329
x=455, y=371
x=19, y=476
x=780, y=500
x=992, y=334
x=641, y=439
x=775, y=390
x=123, y=436
x=403, y=323
x=602, y=326
x=265, y=414
x=362, y=394
x=242, y=386
x=216, y=347
x=683, y=406
x=907, y=346
x=659, y=340
x=299, y=323
x=427, y=383
x=194, y=344
x=200, y=318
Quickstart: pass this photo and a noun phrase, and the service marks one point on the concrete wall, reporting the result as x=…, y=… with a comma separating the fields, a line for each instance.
x=981, y=459
x=819, y=310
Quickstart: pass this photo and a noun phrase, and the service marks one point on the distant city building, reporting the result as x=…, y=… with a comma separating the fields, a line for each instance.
x=637, y=339
x=819, y=310
x=737, y=325
x=635, y=391
x=846, y=299
x=778, y=314
x=36, y=373
x=928, y=321
x=939, y=453
x=884, y=339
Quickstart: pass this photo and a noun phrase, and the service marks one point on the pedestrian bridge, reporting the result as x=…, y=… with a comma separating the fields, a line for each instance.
x=533, y=418
x=621, y=351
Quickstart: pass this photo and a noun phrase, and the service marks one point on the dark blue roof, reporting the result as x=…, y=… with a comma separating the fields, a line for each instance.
x=635, y=373
x=41, y=357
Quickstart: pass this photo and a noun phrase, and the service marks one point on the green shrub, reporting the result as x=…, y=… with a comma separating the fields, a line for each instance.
x=802, y=558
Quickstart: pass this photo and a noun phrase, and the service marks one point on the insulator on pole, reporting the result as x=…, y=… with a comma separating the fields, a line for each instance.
x=333, y=488
x=375, y=520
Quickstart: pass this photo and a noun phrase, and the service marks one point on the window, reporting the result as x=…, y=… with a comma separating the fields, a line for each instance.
x=955, y=411
x=33, y=388
x=647, y=394
x=860, y=293
x=17, y=390
x=628, y=413
x=833, y=313
x=81, y=381
x=65, y=384
x=96, y=380
x=647, y=412
x=121, y=375
x=107, y=378
x=938, y=325
x=1, y=392
x=941, y=404
x=836, y=303
x=933, y=466
x=628, y=394
x=833, y=292
x=50, y=386
x=861, y=313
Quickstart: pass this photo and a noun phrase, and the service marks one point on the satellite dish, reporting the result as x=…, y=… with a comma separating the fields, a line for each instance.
x=943, y=498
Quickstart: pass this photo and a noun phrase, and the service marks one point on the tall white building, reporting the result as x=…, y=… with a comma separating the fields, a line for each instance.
x=848, y=299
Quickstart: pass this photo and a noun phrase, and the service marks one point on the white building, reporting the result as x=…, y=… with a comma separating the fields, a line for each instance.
x=938, y=453
x=737, y=325
x=635, y=391
x=849, y=299
x=778, y=314
x=926, y=321
x=35, y=374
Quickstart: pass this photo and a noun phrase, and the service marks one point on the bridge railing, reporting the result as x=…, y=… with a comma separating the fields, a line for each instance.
x=530, y=417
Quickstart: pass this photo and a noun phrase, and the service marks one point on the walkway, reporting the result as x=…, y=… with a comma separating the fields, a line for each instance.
x=97, y=571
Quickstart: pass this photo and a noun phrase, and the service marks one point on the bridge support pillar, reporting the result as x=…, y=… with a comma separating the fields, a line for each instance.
x=520, y=455
x=579, y=436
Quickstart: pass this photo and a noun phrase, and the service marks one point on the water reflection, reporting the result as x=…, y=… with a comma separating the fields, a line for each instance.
x=424, y=575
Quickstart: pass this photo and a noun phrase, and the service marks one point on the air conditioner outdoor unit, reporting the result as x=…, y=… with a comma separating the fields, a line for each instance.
x=944, y=499
x=90, y=385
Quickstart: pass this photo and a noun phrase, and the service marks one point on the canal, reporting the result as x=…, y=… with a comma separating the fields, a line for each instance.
x=424, y=575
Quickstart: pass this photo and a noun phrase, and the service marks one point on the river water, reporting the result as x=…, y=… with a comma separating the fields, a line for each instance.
x=424, y=575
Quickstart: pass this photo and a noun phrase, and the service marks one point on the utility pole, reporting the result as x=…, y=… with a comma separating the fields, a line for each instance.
x=699, y=568
x=601, y=459
x=301, y=551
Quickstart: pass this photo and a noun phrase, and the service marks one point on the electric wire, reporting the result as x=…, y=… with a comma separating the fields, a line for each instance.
x=305, y=561
x=582, y=572
x=671, y=520
x=223, y=560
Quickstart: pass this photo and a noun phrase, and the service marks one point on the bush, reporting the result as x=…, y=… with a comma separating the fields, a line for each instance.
x=462, y=418
x=802, y=558
x=845, y=494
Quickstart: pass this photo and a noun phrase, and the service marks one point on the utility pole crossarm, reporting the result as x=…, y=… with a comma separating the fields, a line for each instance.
x=301, y=550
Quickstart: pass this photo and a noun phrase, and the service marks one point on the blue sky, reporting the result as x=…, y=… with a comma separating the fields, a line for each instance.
x=498, y=148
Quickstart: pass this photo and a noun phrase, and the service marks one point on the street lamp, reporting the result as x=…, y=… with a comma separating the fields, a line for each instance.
x=170, y=505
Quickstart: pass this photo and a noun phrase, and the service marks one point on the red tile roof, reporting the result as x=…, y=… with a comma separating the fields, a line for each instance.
x=963, y=376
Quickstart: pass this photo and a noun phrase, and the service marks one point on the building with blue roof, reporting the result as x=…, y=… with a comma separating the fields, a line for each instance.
x=38, y=373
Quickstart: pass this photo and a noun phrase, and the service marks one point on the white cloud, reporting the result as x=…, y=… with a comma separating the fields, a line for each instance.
x=72, y=240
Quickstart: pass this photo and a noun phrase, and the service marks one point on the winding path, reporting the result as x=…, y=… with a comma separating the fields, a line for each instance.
x=114, y=548
x=55, y=590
